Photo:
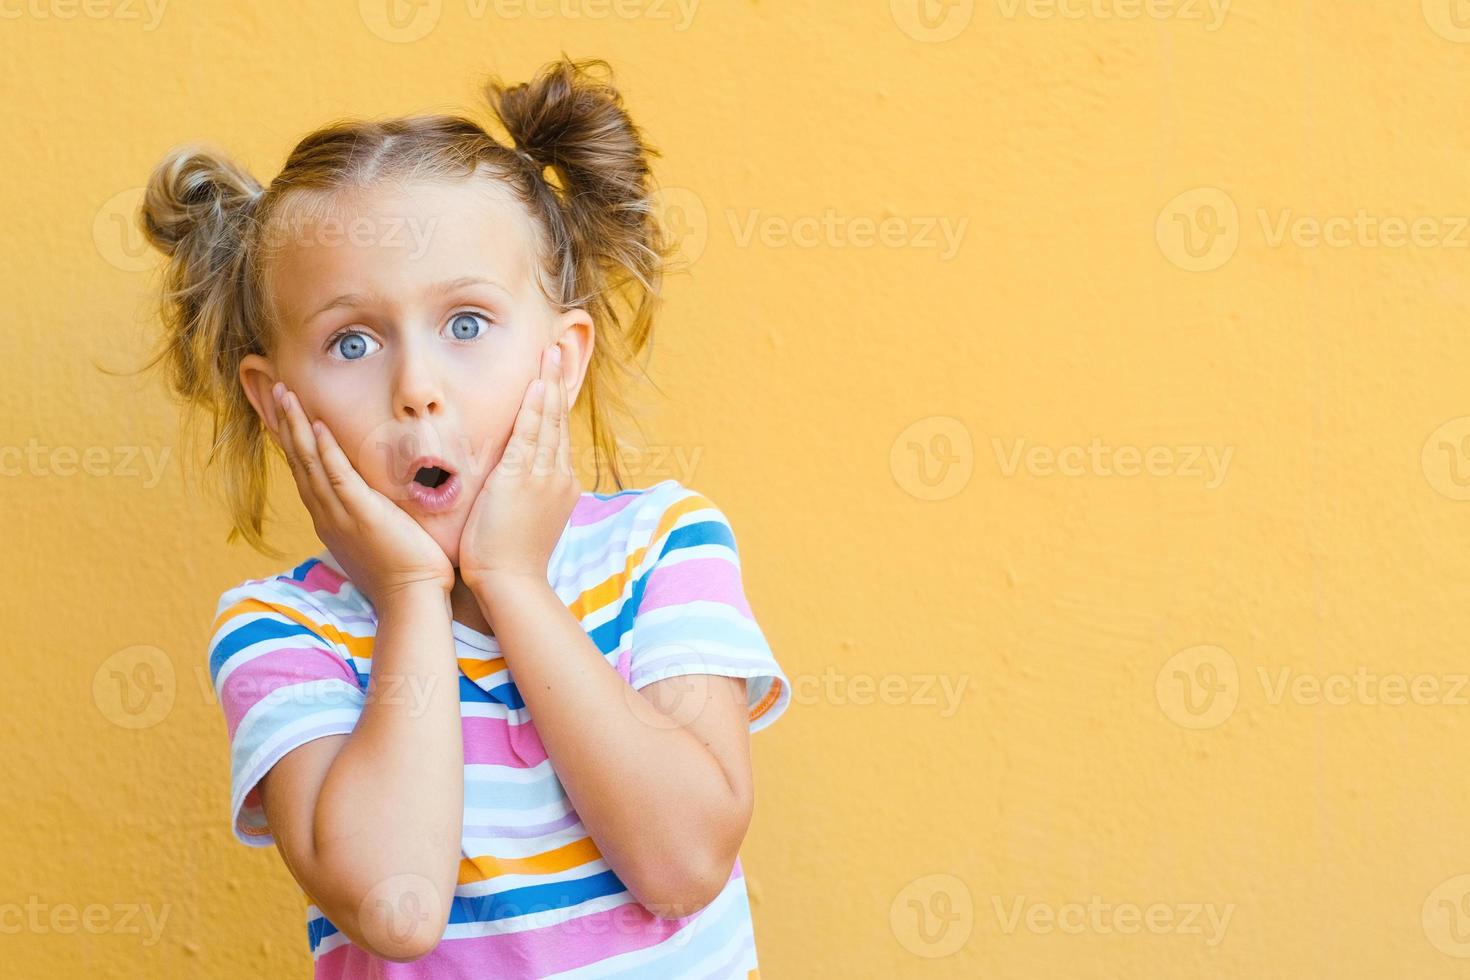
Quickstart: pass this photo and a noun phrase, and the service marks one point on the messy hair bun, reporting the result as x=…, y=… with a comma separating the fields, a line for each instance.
x=605, y=230
x=574, y=124
x=198, y=209
x=578, y=165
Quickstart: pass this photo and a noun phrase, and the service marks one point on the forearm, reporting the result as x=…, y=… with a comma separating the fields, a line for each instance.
x=654, y=798
x=393, y=801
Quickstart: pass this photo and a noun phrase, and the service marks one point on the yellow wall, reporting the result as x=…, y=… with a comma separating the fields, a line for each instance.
x=1232, y=681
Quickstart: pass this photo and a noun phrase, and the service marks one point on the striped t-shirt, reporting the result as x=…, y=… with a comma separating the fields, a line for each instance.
x=654, y=577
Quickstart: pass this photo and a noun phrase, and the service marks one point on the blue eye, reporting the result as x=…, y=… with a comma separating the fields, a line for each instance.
x=352, y=345
x=464, y=326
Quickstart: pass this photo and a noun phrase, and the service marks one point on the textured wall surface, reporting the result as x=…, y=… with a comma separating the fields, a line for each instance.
x=1085, y=381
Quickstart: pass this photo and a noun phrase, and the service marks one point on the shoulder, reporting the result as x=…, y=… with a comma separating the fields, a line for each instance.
x=314, y=588
x=310, y=599
x=678, y=523
x=645, y=519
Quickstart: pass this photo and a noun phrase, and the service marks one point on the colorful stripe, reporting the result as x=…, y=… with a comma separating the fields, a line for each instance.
x=654, y=577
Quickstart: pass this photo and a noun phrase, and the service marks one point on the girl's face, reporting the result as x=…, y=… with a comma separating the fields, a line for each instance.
x=411, y=325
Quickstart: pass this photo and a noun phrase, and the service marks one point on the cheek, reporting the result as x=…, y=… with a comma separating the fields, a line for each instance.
x=489, y=424
x=370, y=451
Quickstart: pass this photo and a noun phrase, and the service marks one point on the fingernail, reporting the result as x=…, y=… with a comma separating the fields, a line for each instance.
x=276, y=390
x=556, y=354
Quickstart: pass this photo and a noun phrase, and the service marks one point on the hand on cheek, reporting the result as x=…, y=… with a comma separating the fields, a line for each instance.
x=383, y=550
x=521, y=511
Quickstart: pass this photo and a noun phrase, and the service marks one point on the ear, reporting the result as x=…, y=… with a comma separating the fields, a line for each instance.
x=575, y=334
x=258, y=377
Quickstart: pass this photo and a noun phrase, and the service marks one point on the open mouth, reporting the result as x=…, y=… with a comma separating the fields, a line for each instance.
x=434, y=487
x=431, y=476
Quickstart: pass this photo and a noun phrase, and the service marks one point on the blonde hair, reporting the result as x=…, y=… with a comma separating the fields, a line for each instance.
x=599, y=246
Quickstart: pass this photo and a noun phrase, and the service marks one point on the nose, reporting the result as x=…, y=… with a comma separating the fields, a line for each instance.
x=417, y=393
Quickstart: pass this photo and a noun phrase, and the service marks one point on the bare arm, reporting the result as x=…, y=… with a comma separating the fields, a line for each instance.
x=370, y=823
x=660, y=777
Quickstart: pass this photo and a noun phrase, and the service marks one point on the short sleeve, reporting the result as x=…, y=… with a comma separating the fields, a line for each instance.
x=280, y=683
x=691, y=615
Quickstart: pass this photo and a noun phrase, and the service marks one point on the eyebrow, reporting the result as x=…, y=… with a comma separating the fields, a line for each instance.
x=438, y=288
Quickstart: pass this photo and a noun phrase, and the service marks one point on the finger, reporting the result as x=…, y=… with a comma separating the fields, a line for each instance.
x=305, y=442
x=549, y=433
x=564, y=443
x=522, y=442
x=348, y=485
x=288, y=446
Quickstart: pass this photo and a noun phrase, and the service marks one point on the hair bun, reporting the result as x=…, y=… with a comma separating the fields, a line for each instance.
x=570, y=119
x=194, y=187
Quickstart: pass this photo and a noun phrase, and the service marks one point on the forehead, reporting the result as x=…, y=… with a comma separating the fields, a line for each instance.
x=394, y=240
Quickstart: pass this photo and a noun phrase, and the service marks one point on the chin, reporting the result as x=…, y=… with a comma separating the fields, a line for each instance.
x=451, y=550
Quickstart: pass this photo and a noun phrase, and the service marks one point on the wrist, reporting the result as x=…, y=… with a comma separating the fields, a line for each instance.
x=490, y=587
x=424, y=593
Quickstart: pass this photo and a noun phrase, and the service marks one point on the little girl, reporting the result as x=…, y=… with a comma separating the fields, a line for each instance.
x=499, y=726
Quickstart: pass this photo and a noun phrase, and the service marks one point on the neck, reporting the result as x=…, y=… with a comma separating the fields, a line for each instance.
x=466, y=608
